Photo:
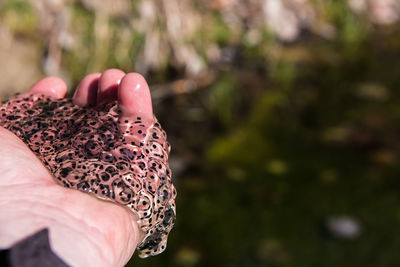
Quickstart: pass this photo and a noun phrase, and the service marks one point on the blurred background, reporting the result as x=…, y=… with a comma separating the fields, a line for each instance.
x=283, y=116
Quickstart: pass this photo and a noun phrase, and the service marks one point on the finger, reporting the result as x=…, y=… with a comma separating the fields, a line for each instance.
x=134, y=98
x=108, y=85
x=50, y=86
x=86, y=92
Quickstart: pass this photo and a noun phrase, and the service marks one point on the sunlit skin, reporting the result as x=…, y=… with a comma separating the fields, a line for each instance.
x=84, y=231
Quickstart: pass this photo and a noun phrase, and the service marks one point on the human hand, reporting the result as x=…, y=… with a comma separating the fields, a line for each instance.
x=84, y=231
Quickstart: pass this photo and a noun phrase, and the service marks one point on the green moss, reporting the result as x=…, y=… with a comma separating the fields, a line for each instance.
x=223, y=97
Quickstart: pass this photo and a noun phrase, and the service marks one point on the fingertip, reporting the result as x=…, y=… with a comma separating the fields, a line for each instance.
x=134, y=97
x=50, y=86
x=108, y=85
x=86, y=92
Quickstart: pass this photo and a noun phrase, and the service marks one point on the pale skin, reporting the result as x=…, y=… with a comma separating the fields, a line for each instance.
x=83, y=230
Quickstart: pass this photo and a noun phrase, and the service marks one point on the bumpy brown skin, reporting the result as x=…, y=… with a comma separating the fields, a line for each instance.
x=89, y=149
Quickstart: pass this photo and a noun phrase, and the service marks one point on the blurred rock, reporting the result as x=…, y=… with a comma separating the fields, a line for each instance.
x=336, y=134
x=272, y=250
x=373, y=91
x=236, y=174
x=177, y=165
x=277, y=167
x=329, y=176
x=343, y=227
x=187, y=257
x=284, y=21
x=228, y=54
x=385, y=11
x=113, y=8
x=358, y=5
x=384, y=157
x=380, y=11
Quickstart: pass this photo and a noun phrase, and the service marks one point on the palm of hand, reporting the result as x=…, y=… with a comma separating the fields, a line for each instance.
x=31, y=200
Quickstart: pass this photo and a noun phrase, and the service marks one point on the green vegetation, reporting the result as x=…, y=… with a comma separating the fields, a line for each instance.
x=320, y=141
